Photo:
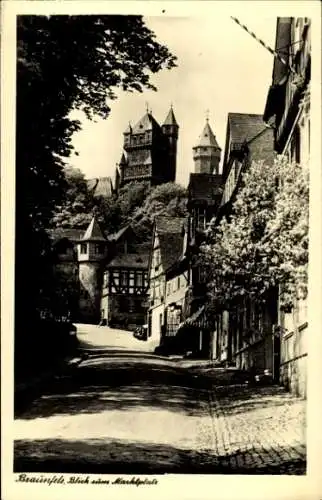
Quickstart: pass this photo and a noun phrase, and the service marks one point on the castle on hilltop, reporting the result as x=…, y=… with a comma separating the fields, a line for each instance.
x=149, y=151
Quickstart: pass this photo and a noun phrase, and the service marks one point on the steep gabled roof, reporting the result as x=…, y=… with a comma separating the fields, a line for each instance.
x=207, y=138
x=244, y=126
x=116, y=236
x=166, y=224
x=170, y=119
x=147, y=122
x=171, y=248
x=205, y=187
x=130, y=260
x=93, y=232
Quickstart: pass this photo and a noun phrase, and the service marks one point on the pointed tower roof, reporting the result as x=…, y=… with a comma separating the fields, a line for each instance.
x=128, y=129
x=123, y=160
x=93, y=232
x=147, y=122
x=170, y=119
x=207, y=137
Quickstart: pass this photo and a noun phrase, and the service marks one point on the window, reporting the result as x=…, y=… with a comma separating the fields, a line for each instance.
x=201, y=221
x=83, y=248
x=105, y=280
x=139, y=279
x=116, y=277
x=202, y=274
x=169, y=289
x=124, y=278
x=131, y=282
x=156, y=259
x=157, y=290
x=99, y=248
x=178, y=282
x=296, y=146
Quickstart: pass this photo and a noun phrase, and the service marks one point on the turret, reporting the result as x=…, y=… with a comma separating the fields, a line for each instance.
x=127, y=135
x=206, y=153
x=170, y=126
x=91, y=252
x=170, y=130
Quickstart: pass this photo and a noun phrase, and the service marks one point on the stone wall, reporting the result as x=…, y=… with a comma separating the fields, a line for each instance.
x=294, y=339
x=90, y=291
x=293, y=367
x=257, y=356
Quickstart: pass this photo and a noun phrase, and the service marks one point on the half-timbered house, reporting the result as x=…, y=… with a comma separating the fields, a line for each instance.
x=167, y=248
x=124, y=289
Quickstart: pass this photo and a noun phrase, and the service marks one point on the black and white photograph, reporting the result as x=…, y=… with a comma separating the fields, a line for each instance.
x=161, y=244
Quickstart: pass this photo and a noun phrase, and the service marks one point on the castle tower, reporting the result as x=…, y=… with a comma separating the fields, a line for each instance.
x=206, y=153
x=170, y=129
x=91, y=252
x=150, y=151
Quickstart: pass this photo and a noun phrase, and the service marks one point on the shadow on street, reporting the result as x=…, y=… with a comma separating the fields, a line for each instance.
x=144, y=415
x=103, y=457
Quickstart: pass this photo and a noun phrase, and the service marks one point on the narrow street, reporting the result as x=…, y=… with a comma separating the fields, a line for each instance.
x=125, y=410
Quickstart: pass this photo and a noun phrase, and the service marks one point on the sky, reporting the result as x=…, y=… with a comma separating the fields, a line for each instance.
x=221, y=68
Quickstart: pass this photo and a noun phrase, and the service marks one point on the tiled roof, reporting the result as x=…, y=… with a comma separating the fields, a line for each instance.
x=207, y=138
x=171, y=248
x=166, y=224
x=205, y=186
x=130, y=260
x=244, y=126
x=147, y=122
x=118, y=234
x=93, y=232
x=170, y=119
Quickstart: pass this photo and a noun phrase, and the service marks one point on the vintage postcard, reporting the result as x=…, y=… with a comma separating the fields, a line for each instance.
x=161, y=246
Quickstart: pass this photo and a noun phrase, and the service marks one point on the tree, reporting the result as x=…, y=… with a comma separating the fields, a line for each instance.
x=166, y=199
x=137, y=203
x=77, y=207
x=265, y=241
x=65, y=63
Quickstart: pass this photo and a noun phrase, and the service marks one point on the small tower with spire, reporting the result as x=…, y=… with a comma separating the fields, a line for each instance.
x=91, y=252
x=170, y=129
x=206, y=153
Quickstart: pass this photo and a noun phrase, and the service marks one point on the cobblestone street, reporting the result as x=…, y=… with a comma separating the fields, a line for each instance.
x=142, y=414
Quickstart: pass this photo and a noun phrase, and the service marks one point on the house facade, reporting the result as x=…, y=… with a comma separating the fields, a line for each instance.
x=243, y=334
x=124, y=288
x=261, y=337
x=167, y=248
x=288, y=109
x=101, y=279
